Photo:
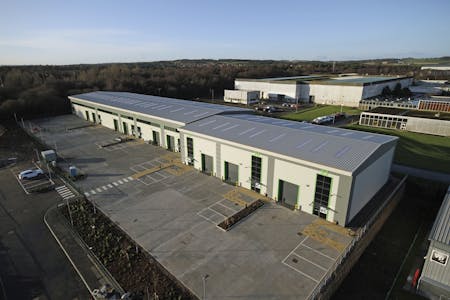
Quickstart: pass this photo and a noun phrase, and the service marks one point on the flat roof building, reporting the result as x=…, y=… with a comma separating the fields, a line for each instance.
x=322, y=89
x=329, y=172
x=428, y=122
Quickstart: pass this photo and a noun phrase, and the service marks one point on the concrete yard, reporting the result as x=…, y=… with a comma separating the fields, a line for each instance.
x=172, y=210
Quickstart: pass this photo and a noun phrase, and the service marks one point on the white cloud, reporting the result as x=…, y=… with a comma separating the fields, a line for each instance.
x=67, y=46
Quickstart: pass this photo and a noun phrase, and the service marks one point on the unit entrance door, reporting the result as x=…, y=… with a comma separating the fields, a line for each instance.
x=93, y=118
x=116, y=125
x=322, y=196
x=125, y=128
x=170, y=143
x=87, y=115
x=207, y=164
x=231, y=173
x=155, y=136
x=287, y=193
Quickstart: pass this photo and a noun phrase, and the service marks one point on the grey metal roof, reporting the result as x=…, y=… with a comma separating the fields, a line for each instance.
x=441, y=227
x=178, y=110
x=334, y=147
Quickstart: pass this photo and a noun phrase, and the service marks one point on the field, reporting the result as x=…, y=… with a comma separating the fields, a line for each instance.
x=417, y=150
x=309, y=114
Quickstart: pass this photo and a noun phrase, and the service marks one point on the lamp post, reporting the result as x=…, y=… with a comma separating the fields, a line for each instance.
x=204, y=277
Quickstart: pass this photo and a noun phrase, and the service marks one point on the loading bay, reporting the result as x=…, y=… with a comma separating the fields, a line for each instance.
x=172, y=210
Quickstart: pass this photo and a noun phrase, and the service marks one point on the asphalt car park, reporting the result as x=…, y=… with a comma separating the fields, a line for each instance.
x=172, y=211
x=38, y=183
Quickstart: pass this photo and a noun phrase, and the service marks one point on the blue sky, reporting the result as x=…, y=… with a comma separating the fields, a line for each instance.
x=95, y=31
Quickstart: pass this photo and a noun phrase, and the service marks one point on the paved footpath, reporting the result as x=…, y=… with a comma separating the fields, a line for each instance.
x=92, y=272
x=431, y=175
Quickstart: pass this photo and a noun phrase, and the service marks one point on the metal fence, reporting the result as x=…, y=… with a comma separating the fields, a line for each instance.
x=343, y=259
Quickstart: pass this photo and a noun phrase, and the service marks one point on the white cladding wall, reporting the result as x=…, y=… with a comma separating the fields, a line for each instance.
x=202, y=146
x=305, y=178
x=243, y=158
x=369, y=182
x=428, y=126
x=80, y=111
x=266, y=88
x=108, y=119
x=146, y=129
x=240, y=96
x=336, y=94
x=376, y=89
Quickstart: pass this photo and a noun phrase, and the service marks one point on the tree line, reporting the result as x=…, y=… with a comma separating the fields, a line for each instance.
x=42, y=90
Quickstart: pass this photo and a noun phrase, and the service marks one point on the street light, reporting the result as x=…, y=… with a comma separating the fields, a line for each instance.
x=204, y=277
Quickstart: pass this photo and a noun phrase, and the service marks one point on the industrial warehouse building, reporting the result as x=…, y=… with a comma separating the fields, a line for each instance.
x=442, y=105
x=241, y=97
x=321, y=89
x=329, y=172
x=435, y=278
x=435, y=123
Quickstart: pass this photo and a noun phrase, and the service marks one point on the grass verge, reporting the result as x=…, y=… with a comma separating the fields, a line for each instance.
x=417, y=150
x=311, y=113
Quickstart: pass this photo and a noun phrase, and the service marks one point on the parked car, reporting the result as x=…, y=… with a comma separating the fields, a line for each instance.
x=30, y=174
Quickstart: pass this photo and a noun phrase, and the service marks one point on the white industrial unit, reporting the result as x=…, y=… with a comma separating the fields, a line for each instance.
x=154, y=119
x=241, y=97
x=329, y=172
x=320, y=89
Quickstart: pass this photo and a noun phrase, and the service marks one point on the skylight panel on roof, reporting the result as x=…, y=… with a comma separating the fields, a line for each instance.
x=368, y=137
x=341, y=152
x=247, y=131
x=221, y=125
x=318, y=148
x=231, y=127
x=206, y=123
x=178, y=109
x=190, y=112
x=165, y=107
x=277, y=137
x=303, y=144
x=257, y=133
x=332, y=131
x=347, y=133
x=202, y=114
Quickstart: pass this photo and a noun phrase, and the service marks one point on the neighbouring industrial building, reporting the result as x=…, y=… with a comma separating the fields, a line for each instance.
x=321, y=89
x=329, y=172
x=435, y=123
x=241, y=97
x=434, y=281
x=437, y=104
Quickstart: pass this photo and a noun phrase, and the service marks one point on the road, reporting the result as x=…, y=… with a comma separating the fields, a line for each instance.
x=425, y=174
x=31, y=263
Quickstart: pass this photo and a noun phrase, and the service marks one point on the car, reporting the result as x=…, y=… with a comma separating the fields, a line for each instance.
x=30, y=174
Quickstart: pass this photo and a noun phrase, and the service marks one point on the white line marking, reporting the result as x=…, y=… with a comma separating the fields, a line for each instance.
x=115, y=183
x=317, y=251
x=125, y=180
x=130, y=178
x=110, y=185
x=93, y=192
x=300, y=272
x=120, y=181
x=226, y=207
x=98, y=190
x=305, y=259
x=86, y=194
x=104, y=187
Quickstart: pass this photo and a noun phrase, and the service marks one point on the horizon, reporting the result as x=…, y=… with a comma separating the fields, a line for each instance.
x=54, y=33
